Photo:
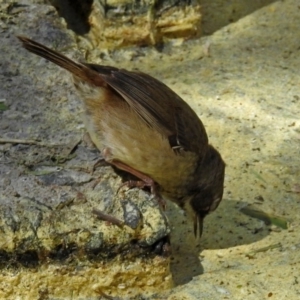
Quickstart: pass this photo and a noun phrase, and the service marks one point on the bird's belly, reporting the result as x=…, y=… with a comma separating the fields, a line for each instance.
x=130, y=140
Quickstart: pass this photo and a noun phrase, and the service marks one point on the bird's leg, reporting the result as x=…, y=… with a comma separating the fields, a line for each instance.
x=145, y=180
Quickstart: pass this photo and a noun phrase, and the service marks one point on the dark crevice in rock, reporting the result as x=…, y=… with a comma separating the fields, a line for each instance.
x=76, y=14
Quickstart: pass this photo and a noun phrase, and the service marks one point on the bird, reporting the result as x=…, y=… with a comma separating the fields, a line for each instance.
x=144, y=128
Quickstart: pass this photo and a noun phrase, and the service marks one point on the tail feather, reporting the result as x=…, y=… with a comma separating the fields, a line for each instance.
x=79, y=70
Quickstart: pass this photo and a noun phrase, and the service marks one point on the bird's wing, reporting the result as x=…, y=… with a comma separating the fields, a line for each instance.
x=160, y=107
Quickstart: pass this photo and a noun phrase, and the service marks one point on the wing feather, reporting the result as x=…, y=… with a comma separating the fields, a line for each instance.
x=159, y=106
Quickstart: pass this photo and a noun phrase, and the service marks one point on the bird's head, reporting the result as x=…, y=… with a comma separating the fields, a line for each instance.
x=207, y=191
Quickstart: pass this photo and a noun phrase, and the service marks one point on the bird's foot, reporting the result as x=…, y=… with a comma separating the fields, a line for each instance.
x=145, y=181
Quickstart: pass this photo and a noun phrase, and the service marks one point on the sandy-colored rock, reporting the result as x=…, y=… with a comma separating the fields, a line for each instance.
x=243, y=83
x=120, y=23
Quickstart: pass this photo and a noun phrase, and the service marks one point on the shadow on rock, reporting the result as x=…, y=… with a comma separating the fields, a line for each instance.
x=228, y=227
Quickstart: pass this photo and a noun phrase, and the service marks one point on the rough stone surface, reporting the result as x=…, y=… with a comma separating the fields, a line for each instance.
x=243, y=83
x=49, y=190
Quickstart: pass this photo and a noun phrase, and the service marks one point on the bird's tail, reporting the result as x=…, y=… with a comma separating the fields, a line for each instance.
x=77, y=69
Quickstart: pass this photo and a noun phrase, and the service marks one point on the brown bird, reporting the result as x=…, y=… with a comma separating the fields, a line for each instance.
x=141, y=126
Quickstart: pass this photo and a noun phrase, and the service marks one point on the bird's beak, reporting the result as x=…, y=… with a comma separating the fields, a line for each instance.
x=198, y=226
